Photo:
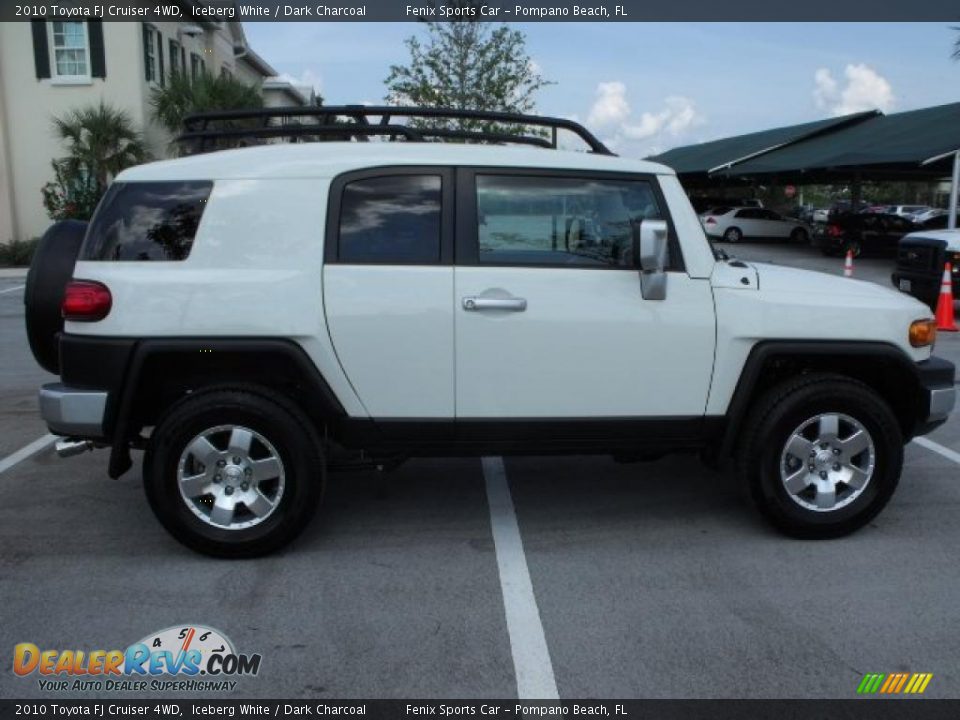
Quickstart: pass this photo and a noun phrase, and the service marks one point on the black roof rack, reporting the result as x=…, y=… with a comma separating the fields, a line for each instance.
x=202, y=131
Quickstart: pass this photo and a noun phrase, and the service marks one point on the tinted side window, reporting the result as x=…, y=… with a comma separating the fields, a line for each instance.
x=750, y=214
x=146, y=221
x=391, y=219
x=526, y=220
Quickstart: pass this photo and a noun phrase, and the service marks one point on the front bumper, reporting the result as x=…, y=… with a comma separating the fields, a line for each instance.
x=939, y=393
x=73, y=412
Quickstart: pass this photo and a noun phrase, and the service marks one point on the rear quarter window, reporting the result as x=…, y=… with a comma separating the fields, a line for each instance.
x=146, y=221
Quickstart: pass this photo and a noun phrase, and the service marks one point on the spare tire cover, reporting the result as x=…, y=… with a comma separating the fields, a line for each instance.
x=50, y=270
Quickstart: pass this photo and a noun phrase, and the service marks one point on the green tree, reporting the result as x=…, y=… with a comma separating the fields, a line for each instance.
x=183, y=96
x=467, y=65
x=100, y=141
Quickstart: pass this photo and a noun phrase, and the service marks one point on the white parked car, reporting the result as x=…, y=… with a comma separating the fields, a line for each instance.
x=254, y=318
x=734, y=224
x=907, y=210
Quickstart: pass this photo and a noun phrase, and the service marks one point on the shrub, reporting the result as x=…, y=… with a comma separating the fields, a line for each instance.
x=17, y=253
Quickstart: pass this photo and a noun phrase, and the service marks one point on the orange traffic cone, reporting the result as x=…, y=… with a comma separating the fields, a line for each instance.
x=945, y=320
x=848, y=264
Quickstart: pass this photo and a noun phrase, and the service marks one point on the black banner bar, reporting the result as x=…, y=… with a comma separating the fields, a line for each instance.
x=486, y=10
x=872, y=709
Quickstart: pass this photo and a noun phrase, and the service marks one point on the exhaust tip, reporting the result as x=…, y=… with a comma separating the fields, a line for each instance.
x=68, y=447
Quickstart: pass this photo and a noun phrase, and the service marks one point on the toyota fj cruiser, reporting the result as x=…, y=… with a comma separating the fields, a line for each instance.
x=254, y=317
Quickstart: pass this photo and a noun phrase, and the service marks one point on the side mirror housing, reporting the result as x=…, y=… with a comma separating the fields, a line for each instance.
x=650, y=251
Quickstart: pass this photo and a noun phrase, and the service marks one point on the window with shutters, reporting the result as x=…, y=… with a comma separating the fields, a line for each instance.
x=197, y=66
x=70, y=49
x=175, y=58
x=150, y=54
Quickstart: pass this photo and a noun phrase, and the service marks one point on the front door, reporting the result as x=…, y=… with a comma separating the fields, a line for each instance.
x=549, y=318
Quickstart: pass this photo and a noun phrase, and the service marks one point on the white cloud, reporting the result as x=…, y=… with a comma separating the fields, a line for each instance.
x=611, y=114
x=610, y=107
x=863, y=88
x=308, y=79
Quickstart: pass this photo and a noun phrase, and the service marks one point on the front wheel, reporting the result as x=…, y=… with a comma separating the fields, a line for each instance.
x=821, y=456
x=233, y=473
x=800, y=236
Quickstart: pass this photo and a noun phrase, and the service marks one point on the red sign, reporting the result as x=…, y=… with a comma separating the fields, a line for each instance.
x=790, y=191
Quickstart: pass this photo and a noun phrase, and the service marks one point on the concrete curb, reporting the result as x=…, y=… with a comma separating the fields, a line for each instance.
x=15, y=273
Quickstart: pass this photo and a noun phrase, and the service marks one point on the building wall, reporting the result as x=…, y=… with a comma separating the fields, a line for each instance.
x=28, y=105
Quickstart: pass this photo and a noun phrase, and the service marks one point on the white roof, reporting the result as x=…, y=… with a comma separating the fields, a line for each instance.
x=327, y=159
x=950, y=237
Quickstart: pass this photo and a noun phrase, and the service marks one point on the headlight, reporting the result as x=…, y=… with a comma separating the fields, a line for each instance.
x=923, y=333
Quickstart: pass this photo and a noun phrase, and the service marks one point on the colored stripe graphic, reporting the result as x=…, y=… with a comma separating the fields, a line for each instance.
x=894, y=683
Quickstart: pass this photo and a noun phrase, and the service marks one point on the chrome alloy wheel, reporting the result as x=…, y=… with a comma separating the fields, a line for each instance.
x=827, y=462
x=231, y=477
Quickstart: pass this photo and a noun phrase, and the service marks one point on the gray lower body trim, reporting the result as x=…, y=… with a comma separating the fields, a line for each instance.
x=942, y=402
x=72, y=411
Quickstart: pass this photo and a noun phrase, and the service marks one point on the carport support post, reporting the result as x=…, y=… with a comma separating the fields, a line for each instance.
x=954, y=186
x=855, y=191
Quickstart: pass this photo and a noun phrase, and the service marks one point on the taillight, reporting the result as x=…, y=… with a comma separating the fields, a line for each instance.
x=710, y=221
x=86, y=301
x=834, y=231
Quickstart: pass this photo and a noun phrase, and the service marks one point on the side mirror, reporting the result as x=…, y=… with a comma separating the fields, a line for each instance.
x=650, y=251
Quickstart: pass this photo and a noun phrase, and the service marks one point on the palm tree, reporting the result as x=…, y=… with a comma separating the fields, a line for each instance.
x=101, y=141
x=183, y=96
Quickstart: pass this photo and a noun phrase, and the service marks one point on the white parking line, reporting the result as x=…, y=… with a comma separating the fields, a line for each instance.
x=938, y=448
x=18, y=287
x=528, y=646
x=23, y=453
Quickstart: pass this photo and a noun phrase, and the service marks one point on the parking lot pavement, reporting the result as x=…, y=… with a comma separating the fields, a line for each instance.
x=20, y=376
x=649, y=579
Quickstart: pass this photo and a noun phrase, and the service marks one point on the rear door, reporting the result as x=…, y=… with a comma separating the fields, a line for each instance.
x=550, y=322
x=750, y=222
x=388, y=286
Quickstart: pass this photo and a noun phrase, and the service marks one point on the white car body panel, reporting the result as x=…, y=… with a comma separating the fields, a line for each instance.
x=392, y=327
x=242, y=278
x=793, y=304
x=950, y=237
x=588, y=345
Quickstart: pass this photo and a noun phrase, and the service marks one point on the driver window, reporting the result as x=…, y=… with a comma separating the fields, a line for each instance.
x=578, y=222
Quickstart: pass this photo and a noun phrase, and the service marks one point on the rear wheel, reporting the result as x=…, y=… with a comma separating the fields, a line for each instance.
x=821, y=456
x=233, y=473
x=733, y=235
x=50, y=270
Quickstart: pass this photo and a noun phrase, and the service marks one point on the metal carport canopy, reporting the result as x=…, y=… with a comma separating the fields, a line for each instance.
x=695, y=164
x=914, y=145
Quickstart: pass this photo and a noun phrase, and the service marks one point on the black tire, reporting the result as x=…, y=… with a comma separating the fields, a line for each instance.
x=771, y=423
x=278, y=421
x=50, y=270
x=800, y=236
x=733, y=235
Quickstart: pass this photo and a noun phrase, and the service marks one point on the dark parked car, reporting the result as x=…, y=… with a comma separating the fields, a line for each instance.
x=871, y=233
x=938, y=222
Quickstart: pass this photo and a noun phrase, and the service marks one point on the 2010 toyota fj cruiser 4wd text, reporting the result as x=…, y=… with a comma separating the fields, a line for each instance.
x=252, y=317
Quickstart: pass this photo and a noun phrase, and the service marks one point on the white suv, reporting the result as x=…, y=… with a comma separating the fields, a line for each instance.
x=254, y=317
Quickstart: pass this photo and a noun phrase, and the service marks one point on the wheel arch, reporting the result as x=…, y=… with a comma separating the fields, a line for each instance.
x=161, y=371
x=885, y=368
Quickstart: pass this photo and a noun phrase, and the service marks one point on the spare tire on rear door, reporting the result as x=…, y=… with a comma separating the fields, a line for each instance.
x=50, y=270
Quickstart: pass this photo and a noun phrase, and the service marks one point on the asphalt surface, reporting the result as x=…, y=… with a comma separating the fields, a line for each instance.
x=652, y=580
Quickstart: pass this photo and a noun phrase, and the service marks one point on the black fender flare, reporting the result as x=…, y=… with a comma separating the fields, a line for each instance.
x=214, y=359
x=862, y=360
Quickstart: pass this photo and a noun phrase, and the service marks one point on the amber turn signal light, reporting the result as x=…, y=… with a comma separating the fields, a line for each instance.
x=923, y=333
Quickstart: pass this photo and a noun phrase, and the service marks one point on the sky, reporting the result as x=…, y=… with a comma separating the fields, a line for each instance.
x=644, y=88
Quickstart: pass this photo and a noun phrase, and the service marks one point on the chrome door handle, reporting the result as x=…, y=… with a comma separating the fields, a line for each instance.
x=491, y=303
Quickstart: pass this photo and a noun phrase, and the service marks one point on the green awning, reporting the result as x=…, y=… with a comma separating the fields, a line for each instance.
x=903, y=146
x=916, y=144
x=710, y=157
